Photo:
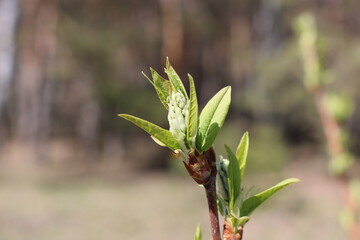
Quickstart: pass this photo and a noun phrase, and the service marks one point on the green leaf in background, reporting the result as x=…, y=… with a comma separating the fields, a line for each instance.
x=242, y=152
x=193, y=111
x=233, y=180
x=162, y=86
x=341, y=106
x=212, y=118
x=198, y=235
x=175, y=79
x=341, y=163
x=355, y=189
x=255, y=201
x=305, y=26
x=162, y=135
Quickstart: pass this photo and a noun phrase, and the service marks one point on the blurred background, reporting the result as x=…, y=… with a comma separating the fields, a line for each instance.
x=71, y=169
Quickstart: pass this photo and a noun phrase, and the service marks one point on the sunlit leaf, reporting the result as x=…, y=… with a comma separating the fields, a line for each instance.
x=193, y=111
x=212, y=118
x=255, y=201
x=242, y=152
x=240, y=221
x=174, y=78
x=233, y=179
x=162, y=86
x=162, y=135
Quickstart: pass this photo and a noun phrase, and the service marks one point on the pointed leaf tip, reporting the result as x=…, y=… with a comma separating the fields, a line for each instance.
x=255, y=201
x=152, y=83
x=198, y=234
x=212, y=118
x=242, y=153
x=174, y=78
x=193, y=113
x=234, y=180
x=162, y=86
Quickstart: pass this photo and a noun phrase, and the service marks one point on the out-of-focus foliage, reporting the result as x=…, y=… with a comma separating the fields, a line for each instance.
x=333, y=109
x=101, y=48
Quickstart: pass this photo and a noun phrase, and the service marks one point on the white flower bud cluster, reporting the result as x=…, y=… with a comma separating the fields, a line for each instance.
x=178, y=117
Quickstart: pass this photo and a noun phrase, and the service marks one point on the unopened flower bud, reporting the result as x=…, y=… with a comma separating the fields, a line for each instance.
x=178, y=117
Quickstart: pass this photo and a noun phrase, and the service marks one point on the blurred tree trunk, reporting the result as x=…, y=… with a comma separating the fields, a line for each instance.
x=8, y=17
x=240, y=41
x=37, y=45
x=172, y=32
x=88, y=116
x=267, y=39
x=214, y=57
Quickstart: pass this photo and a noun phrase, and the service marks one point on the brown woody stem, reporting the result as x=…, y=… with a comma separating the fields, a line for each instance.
x=240, y=232
x=210, y=190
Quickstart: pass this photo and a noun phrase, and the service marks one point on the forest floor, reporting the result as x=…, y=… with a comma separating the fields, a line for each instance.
x=162, y=206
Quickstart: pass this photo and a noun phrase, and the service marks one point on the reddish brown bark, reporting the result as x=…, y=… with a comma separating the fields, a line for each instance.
x=330, y=126
x=230, y=234
x=202, y=168
x=335, y=148
x=198, y=168
x=210, y=190
x=172, y=34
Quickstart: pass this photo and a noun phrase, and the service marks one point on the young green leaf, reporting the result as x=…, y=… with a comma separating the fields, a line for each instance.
x=239, y=221
x=233, y=179
x=193, y=111
x=162, y=135
x=162, y=86
x=255, y=201
x=198, y=235
x=175, y=79
x=221, y=204
x=242, y=152
x=212, y=118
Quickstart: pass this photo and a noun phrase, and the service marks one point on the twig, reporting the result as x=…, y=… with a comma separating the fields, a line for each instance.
x=210, y=190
